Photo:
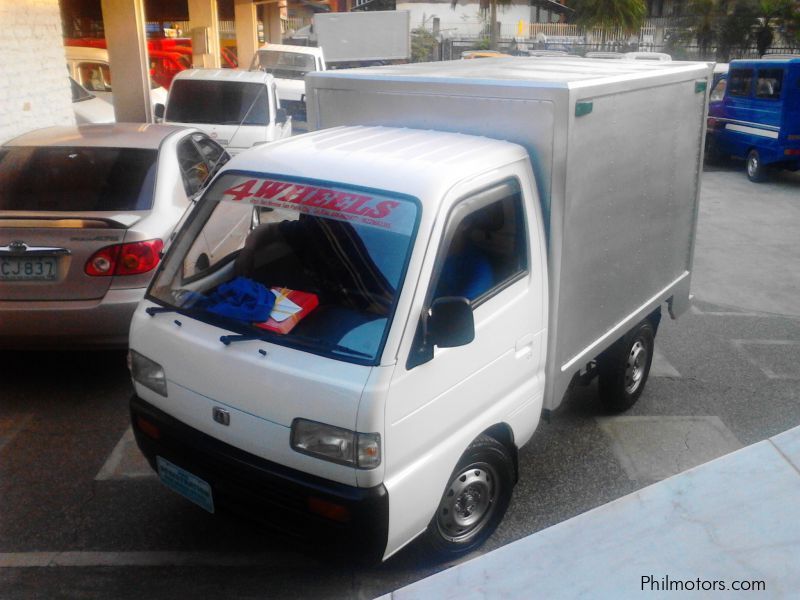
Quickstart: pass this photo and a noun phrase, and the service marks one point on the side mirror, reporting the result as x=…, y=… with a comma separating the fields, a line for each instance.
x=448, y=324
x=280, y=116
x=158, y=111
x=451, y=322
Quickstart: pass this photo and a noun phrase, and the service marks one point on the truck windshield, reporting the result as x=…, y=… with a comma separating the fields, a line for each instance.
x=68, y=178
x=223, y=102
x=317, y=267
x=285, y=65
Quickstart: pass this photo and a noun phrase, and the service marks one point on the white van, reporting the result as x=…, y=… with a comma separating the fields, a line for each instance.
x=90, y=68
x=239, y=109
x=433, y=269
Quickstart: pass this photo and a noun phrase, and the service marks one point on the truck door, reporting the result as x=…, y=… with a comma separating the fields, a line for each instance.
x=439, y=404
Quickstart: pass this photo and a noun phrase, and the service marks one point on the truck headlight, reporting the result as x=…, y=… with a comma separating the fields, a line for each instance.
x=147, y=372
x=335, y=444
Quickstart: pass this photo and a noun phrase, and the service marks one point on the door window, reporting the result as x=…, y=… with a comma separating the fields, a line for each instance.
x=485, y=245
x=212, y=152
x=740, y=82
x=194, y=169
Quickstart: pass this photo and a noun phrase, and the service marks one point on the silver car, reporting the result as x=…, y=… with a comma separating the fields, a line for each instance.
x=84, y=214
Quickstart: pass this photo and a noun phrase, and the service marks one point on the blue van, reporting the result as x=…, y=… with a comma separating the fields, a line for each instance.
x=754, y=113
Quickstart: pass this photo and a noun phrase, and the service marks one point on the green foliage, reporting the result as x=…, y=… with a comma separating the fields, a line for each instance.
x=626, y=14
x=423, y=45
x=733, y=26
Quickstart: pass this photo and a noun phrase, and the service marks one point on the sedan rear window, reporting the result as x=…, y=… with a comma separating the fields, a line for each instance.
x=76, y=179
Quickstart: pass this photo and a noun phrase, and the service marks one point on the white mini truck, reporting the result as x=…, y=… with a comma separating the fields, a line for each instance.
x=455, y=247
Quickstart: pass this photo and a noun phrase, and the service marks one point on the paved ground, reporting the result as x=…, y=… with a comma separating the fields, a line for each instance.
x=80, y=518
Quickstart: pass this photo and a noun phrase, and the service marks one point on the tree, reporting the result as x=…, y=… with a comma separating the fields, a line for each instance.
x=702, y=24
x=770, y=14
x=491, y=6
x=626, y=14
x=733, y=26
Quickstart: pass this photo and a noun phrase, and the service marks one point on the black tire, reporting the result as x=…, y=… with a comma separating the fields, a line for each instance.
x=713, y=156
x=756, y=171
x=474, y=501
x=624, y=368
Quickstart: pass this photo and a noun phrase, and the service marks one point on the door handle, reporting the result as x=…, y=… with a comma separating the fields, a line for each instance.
x=524, y=346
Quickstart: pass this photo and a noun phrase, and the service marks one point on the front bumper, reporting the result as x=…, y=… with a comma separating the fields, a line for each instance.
x=267, y=492
x=69, y=323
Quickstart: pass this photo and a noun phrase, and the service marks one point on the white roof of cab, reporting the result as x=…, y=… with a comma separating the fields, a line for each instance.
x=106, y=135
x=225, y=75
x=289, y=48
x=410, y=161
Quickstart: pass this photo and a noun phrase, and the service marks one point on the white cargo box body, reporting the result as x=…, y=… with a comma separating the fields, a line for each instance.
x=364, y=36
x=616, y=148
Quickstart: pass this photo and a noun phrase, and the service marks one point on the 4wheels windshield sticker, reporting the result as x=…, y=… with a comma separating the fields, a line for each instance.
x=364, y=209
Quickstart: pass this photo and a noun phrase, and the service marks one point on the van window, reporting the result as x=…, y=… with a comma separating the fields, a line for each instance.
x=718, y=93
x=769, y=84
x=485, y=250
x=740, y=82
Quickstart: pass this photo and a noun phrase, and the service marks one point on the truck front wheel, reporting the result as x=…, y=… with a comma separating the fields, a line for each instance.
x=474, y=501
x=623, y=368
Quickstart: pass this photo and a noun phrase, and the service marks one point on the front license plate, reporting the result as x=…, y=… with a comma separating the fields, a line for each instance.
x=17, y=268
x=187, y=485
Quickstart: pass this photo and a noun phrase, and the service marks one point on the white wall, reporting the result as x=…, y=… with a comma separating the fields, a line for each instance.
x=466, y=19
x=34, y=90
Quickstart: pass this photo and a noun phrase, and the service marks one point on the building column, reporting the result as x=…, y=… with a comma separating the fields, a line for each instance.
x=246, y=23
x=127, y=54
x=272, y=27
x=204, y=28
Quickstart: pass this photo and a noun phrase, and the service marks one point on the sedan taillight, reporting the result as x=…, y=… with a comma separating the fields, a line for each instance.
x=124, y=259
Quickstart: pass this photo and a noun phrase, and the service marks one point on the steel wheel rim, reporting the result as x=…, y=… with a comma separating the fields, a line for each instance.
x=635, y=366
x=468, y=503
x=752, y=165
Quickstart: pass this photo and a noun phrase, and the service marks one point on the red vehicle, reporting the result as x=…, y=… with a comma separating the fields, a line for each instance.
x=168, y=56
x=165, y=65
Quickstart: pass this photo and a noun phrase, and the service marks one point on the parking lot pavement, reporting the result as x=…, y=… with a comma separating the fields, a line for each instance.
x=82, y=518
x=747, y=252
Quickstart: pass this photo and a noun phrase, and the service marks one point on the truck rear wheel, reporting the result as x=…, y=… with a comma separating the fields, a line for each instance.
x=474, y=501
x=624, y=368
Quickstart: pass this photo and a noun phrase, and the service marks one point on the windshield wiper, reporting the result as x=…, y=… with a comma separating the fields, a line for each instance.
x=245, y=337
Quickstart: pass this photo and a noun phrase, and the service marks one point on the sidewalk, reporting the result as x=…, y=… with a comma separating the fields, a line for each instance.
x=734, y=520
